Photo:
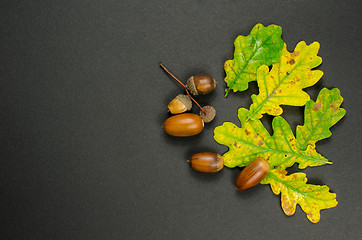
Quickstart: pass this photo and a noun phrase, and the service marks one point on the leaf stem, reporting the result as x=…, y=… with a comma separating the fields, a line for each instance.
x=183, y=85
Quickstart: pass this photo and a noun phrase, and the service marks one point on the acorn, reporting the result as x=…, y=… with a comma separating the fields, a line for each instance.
x=201, y=84
x=252, y=174
x=209, y=114
x=206, y=162
x=180, y=104
x=183, y=125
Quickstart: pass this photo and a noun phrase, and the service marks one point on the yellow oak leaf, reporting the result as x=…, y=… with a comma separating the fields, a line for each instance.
x=295, y=190
x=284, y=83
x=252, y=140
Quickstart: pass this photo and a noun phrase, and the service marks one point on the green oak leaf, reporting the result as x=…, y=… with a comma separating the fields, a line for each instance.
x=261, y=47
x=319, y=116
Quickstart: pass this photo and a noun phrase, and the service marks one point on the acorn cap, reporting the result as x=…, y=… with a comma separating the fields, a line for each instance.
x=190, y=84
x=208, y=115
x=180, y=104
x=186, y=100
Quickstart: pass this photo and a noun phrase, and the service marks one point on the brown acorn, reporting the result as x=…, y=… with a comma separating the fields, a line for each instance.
x=201, y=84
x=180, y=104
x=207, y=162
x=183, y=125
x=252, y=174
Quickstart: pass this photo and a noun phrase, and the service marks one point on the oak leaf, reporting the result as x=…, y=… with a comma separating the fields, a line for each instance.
x=252, y=140
x=295, y=190
x=261, y=46
x=284, y=83
x=319, y=116
x=282, y=150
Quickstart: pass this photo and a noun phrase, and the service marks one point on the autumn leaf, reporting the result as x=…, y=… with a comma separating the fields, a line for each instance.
x=319, y=116
x=284, y=83
x=282, y=150
x=252, y=140
x=261, y=46
x=295, y=190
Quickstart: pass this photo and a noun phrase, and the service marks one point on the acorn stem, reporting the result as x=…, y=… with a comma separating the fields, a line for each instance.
x=183, y=85
x=202, y=109
x=164, y=68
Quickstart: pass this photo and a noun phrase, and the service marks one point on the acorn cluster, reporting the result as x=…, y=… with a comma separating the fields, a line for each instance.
x=185, y=124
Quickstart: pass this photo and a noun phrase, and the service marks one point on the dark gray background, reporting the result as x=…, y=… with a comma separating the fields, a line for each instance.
x=83, y=99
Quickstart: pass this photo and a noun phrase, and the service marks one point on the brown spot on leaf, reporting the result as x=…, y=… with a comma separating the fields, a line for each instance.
x=292, y=61
x=260, y=143
x=255, y=135
x=293, y=177
x=287, y=73
x=295, y=53
x=309, y=75
x=312, y=218
x=334, y=107
x=288, y=207
x=247, y=132
x=317, y=107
